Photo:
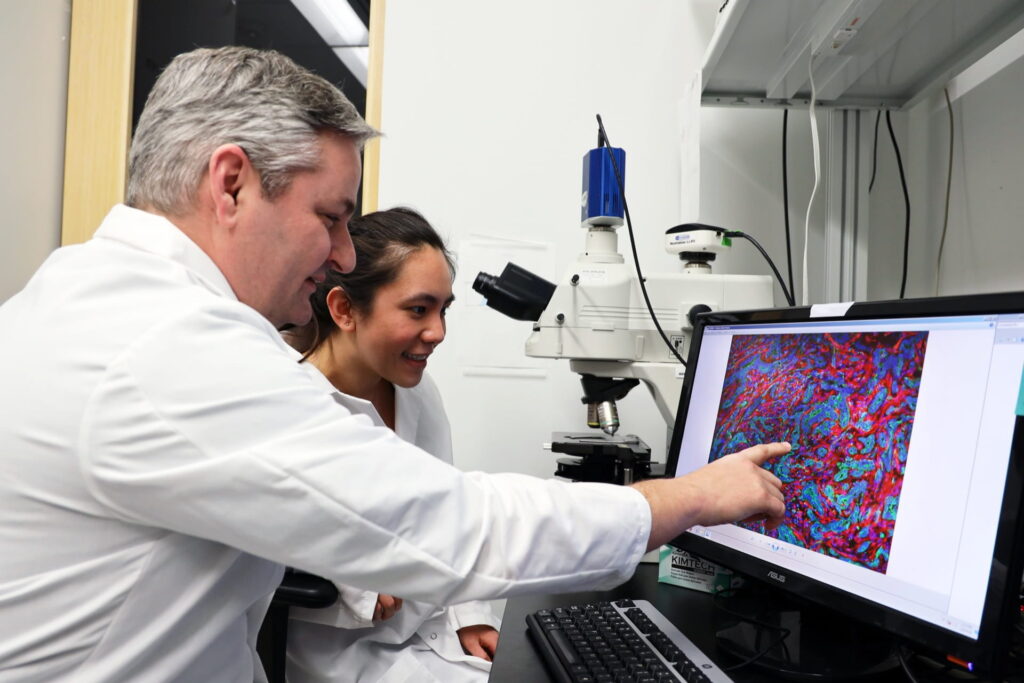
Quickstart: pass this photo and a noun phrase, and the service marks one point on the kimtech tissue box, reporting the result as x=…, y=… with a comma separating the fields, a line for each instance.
x=680, y=568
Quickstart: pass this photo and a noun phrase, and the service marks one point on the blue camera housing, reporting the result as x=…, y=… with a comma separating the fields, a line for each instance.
x=602, y=200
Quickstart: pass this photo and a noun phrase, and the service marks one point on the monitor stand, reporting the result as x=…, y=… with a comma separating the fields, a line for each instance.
x=821, y=645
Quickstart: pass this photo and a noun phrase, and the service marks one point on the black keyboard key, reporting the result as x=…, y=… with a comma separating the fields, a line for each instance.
x=672, y=653
x=688, y=670
x=665, y=671
x=564, y=648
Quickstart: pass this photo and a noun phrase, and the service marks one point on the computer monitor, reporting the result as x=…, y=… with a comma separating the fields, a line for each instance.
x=904, y=485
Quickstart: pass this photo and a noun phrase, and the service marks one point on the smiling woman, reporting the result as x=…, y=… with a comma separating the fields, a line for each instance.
x=372, y=334
x=375, y=327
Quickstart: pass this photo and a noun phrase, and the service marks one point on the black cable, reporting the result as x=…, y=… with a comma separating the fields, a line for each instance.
x=764, y=651
x=778, y=276
x=603, y=136
x=781, y=640
x=785, y=197
x=906, y=203
x=739, y=233
x=949, y=185
x=874, y=151
x=903, y=663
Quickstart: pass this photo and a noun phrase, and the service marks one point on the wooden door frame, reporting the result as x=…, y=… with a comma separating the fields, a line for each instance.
x=101, y=71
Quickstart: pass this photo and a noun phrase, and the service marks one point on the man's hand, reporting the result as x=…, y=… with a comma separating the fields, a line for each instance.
x=479, y=641
x=731, y=489
x=386, y=607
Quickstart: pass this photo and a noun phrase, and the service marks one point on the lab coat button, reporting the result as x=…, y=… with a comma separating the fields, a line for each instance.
x=433, y=636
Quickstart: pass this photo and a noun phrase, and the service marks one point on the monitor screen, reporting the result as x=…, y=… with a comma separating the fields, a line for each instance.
x=902, y=492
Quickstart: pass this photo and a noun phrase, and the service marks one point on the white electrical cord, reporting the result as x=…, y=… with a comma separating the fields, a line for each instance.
x=804, y=294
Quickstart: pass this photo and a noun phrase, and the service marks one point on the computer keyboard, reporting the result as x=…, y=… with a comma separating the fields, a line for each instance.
x=613, y=642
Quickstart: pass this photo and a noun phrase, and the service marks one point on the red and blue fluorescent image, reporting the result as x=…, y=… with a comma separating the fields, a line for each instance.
x=846, y=403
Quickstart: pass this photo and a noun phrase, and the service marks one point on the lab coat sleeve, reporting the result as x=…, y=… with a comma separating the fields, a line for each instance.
x=353, y=609
x=473, y=613
x=206, y=426
x=433, y=434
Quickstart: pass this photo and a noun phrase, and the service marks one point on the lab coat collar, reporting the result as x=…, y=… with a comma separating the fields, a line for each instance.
x=354, y=404
x=407, y=410
x=157, y=235
x=407, y=415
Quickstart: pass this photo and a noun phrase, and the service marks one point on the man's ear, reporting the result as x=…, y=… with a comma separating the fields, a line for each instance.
x=228, y=170
x=340, y=308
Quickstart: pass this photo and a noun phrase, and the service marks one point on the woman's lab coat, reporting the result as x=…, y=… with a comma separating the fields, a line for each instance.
x=341, y=643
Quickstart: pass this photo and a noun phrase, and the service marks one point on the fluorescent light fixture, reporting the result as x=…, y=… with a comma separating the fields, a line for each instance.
x=342, y=30
x=335, y=21
x=355, y=60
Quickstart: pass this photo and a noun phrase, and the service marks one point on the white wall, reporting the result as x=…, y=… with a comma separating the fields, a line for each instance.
x=489, y=109
x=741, y=186
x=984, y=242
x=33, y=79
x=984, y=249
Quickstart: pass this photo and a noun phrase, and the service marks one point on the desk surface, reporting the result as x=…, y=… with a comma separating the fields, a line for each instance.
x=517, y=661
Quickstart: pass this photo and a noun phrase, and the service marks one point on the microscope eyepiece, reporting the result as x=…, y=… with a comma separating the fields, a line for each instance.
x=517, y=292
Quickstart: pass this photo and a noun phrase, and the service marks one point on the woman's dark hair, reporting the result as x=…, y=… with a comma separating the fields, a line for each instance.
x=382, y=241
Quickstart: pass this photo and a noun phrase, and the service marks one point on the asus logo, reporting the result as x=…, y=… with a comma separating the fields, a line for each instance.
x=781, y=578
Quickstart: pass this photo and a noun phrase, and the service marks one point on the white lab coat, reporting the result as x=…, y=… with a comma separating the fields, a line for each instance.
x=163, y=456
x=341, y=644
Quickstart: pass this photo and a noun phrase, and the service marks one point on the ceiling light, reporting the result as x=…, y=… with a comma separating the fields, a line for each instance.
x=355, y=60
x=335, y=21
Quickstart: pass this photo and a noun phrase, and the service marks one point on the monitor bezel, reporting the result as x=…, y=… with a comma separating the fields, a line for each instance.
x=1001, y=601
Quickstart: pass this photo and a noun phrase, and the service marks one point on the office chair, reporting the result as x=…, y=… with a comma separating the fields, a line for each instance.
x=297, y=589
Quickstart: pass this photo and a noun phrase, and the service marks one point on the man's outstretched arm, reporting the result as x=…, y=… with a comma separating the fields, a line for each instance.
x=730, y=489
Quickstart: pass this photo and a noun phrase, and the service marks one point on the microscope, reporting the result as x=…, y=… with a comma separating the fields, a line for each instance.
x=597, y=318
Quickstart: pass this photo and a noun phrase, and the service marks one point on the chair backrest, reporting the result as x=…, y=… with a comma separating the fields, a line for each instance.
x=297, y=589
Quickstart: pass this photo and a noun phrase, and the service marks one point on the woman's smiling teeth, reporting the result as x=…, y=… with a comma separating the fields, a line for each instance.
x=415, y=356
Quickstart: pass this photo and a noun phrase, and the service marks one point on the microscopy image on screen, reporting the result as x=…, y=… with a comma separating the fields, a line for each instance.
x=846, y=403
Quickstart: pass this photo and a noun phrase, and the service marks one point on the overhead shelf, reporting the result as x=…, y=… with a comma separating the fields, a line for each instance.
x=862, y=53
